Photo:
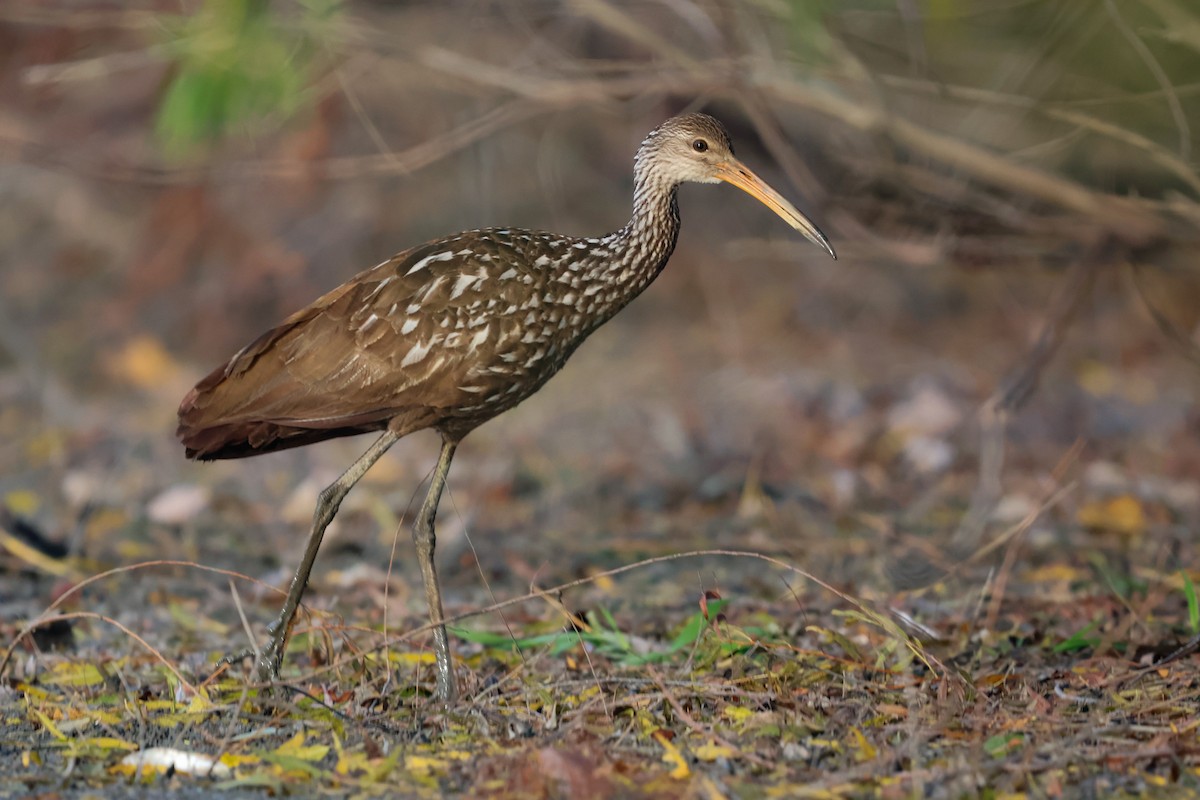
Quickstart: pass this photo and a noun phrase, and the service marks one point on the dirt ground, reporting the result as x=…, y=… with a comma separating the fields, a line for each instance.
x=715, y=557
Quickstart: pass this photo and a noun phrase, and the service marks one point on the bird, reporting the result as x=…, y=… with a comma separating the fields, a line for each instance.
x=445, y=336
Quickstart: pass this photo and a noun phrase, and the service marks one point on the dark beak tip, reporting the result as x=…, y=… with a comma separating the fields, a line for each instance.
x=827, y=247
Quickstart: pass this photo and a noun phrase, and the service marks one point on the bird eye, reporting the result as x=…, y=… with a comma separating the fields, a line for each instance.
x=700, y=145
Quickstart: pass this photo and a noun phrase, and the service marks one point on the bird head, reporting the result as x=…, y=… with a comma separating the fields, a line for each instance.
x=696, y=148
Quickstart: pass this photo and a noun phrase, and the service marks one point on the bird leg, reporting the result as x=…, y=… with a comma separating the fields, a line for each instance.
x=426, y=541
x=328, y=501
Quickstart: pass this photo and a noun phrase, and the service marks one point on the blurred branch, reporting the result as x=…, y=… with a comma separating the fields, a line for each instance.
x=91, y=69
x=1181, y=27
x=758, y=84
x=1014, y=392
x=403, y=162
x=781, y=151
x=1139, y=47
x=360, y=111
x=1168, y=329
x=1123, y=218
x=1156, y=152
x=552, y=91
x=37, y=13
x=621, y=23
x=921, y=566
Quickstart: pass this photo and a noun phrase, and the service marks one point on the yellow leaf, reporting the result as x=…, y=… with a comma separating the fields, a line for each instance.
x=143, y=362
x=414, y=659
x=1121, y=514
x=425, y=765
x=134, y=551
x=671, y=755
x=1096, y=378
x=106, y=717
x=160, y=705
x=32, y=556
x=712, y=751
x=199, y=703
x=348, y=763
x=236, y=760
x=1054, y=573
x=292, y=743
x=737, y=713
x=865, y=750
x=45, y=446
x=408, y=659
x=74, y=673
x=33, y=692
x=105, y=521
x=295, y=748
x=107, y=743
x=22, y=502
x=604, y=583
x=832, y=744
x=49, y=725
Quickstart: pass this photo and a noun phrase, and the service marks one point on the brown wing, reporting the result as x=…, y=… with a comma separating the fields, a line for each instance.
x=368, y=353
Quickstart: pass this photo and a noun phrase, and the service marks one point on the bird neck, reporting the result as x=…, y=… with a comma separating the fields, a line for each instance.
x=642, y=247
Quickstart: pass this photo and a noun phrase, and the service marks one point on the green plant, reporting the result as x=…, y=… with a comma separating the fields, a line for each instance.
x=237, y=66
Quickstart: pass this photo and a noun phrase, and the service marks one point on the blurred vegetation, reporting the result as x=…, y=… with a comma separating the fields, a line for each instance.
x=1101, y=93
x=237, y=67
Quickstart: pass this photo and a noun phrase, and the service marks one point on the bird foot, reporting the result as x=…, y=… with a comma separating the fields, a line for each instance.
x=236, y=657
x=266, y=666
x=267, y=661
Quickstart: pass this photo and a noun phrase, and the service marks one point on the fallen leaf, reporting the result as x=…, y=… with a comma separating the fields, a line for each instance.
x=22, y=502
x=671, y=755
x=892, y=710
x=712, y=751
x=296, y=748
x=142, y=362
x=1122, y=514
x=76, y=673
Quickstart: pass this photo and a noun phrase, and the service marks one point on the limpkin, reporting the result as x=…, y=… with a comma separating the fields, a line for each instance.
x=447, y=335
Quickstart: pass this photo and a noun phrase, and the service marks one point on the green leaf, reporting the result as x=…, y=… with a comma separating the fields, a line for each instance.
x=1189, y=591
x=1002, y=744
x=1079, y=640
x=694, y=628
x=237, y=68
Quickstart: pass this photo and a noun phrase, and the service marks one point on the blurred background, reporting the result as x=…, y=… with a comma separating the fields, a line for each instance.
x=1009, y=184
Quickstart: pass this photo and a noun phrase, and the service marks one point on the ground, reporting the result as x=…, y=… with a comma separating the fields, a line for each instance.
x=730, y=514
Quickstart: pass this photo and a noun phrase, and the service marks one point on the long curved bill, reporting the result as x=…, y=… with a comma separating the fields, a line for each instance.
x=738, y=174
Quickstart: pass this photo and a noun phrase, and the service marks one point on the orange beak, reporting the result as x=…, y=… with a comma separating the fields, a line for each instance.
x=738, y=174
